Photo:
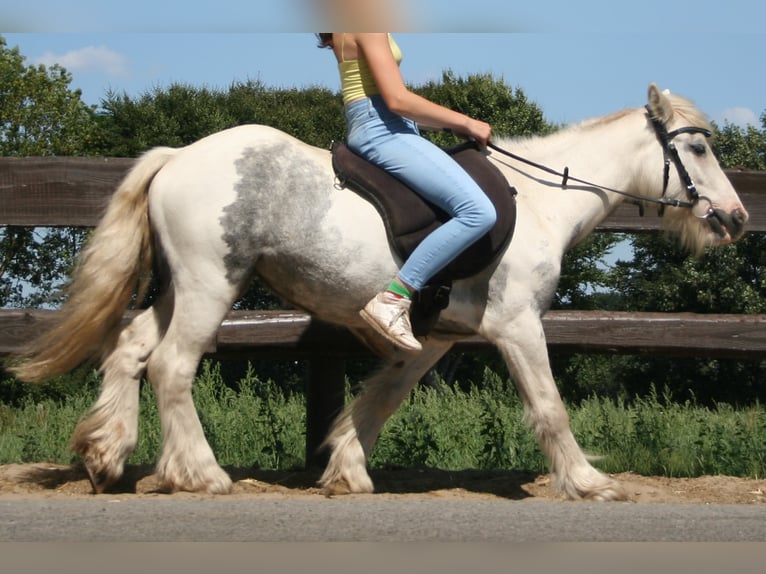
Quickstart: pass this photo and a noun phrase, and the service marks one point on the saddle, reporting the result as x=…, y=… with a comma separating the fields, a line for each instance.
x=408, y=219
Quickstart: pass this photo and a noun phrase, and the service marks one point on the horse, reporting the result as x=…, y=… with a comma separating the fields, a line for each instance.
x=253, y=200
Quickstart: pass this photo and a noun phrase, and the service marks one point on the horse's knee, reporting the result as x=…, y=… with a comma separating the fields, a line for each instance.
x=548, y=420
x=166, y=370
x=155, y=371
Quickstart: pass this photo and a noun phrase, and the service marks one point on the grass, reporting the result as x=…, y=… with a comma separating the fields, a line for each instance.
x=258, y=425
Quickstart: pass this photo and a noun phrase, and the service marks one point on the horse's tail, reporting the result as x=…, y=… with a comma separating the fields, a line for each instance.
x=114, y=267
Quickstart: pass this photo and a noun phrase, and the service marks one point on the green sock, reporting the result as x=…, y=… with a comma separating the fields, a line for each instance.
x=397, y=288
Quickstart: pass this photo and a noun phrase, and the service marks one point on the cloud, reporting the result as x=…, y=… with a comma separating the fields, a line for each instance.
x=739, y=117
x=88, y=59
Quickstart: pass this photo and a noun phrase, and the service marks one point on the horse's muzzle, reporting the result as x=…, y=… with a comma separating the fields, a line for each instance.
x=731, y=223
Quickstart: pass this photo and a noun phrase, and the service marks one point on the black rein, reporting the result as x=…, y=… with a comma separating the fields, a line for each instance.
x=671, y=155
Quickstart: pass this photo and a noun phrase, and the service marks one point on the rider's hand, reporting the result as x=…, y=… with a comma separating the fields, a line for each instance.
x=478, y=131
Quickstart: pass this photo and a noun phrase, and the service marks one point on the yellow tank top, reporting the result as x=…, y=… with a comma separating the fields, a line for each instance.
x=356, y=79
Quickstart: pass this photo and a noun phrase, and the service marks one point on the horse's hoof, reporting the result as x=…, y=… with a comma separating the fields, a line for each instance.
x=340, y=484
x=613, y=492
x=336, y=488
x=100, y=477
x=217, y=482
x=220, y=486
x=169, y=487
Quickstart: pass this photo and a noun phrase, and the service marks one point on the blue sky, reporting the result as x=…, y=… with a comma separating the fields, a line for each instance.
x=575, y=59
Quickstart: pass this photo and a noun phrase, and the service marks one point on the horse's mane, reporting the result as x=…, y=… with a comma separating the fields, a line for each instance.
x=682, y=106
x=688, y=111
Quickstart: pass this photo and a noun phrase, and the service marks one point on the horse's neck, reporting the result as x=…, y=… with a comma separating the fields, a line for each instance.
x=607, y=153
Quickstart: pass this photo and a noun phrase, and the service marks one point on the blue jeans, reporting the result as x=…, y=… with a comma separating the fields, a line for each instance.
x=395, y=144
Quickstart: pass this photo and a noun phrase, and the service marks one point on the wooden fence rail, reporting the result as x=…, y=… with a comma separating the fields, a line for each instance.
x=74, y=191
x=295, y=335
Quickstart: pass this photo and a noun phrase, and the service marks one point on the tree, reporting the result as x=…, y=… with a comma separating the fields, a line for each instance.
x=39, y=116
x=182, y=114
x=489, y=99
x=738, y=147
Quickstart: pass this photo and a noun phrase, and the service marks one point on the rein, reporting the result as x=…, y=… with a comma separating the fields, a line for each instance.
x=670, y=155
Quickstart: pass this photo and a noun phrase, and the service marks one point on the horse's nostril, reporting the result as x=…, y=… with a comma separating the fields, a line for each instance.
x=737, y=220
x=731, y=222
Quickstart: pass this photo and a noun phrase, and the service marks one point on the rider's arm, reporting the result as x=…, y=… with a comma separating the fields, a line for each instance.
x=402, y=101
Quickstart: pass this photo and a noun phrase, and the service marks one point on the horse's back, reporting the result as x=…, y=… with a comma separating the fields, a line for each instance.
x=226, y=147
x=209, y=171
x=246, y=135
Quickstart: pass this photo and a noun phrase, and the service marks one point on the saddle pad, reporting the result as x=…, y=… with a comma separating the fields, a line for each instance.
x=409, y=219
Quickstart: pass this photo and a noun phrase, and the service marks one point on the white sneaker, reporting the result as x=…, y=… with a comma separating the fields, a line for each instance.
x=390, y=316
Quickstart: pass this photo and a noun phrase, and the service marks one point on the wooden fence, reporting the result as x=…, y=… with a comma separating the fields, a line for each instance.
x=74, y=191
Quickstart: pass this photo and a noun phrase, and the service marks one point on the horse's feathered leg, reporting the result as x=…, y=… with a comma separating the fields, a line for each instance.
x=108, y=435
x=187, y=461
x=522, y=344
x=357, y=428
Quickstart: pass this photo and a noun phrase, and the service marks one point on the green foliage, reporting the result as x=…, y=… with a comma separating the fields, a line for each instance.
x=15, y=394
x=35, y=264
x=180, y=114
x=256, y=424
x=176, y=116
x=420, y=435
x=583, y=274
x=507, y=440
x=661, y=277
x=582, y=375
x=39, y=430
x=313, y=115
x=39, y=114
x=486, y=98
x=660, y=436
x=738, y=147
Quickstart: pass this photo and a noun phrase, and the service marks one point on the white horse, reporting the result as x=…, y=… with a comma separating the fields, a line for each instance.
x=253, y=200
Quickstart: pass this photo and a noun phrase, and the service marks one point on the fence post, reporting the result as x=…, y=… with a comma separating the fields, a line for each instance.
x=325, y=394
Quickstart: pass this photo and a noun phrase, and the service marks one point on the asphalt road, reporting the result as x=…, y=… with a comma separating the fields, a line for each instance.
x=389, y=521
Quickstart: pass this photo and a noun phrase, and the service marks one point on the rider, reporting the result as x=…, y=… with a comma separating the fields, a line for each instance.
x=381, y=115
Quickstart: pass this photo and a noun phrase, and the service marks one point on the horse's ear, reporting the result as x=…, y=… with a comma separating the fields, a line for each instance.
x=659, y=104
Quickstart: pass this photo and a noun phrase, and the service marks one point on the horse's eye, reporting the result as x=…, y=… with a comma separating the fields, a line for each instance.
x=698, y=149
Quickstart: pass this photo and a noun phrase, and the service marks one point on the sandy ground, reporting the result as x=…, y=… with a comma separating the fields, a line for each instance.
x=49, y=481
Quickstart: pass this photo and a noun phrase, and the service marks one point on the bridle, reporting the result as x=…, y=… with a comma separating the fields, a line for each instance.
x=670, y=154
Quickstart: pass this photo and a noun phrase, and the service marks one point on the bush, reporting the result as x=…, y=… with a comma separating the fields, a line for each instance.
x=657, y=436
x=453, y=429
x=256, y=423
